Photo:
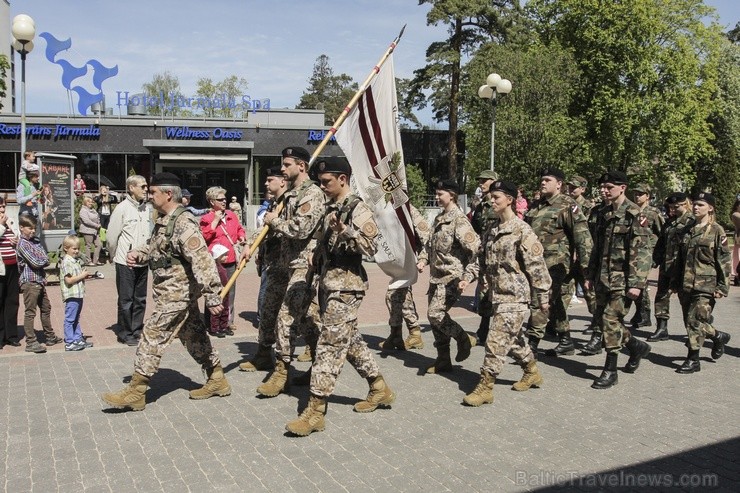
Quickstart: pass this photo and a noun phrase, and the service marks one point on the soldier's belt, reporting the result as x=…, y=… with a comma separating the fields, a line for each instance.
x=353, y=260
x=163, y=263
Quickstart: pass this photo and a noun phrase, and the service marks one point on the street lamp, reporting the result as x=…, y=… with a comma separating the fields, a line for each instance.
x=24, y=30
x=494, y=85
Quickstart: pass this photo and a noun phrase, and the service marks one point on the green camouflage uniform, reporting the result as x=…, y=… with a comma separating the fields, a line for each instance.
x=656, y=224
x=182, y=271
x=512, y=263
x=563, y=231
x=620, y=260
x=667, y=255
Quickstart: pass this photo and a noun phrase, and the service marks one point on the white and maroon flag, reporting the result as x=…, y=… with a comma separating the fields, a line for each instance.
x=372, y=143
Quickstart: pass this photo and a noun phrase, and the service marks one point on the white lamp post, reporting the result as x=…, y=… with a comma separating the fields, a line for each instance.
x=24, y=30
x=494, y=85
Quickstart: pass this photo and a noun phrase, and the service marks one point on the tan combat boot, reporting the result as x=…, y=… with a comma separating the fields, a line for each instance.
x=380, y=395
x=277, y=382
x=310, y=420
x=306, y=356
x=531, y=378
x=394, y=340
x=215, y=386
x=262, y=361
x=132, y=396
x=483, y=392
x=414, y=340
x=442, y=364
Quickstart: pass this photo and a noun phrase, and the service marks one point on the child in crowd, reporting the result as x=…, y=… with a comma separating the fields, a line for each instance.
x=79, y=185
x=73, y=290
x=220, y=323
x=32, y=259
x=28, y=165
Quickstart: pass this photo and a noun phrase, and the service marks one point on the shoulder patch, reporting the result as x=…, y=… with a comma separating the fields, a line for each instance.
x=469, y=237
x=193, y=243
x=723, y=240
x=369, y=229
x=574, y=208
x=643, y=220
x=305, y=207
x=533, y=245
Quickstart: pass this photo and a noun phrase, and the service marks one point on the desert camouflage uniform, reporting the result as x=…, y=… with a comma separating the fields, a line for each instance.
x=586, y=206
x=452, y=254
x=563, y=231
x=656, y=223
x=620, y=260
x=483, y=216
x=512, y=262
x=295, y=227
x=400, y=301
x=176, y=290
x=342, y=285
x=667, y=254
x=706, y=271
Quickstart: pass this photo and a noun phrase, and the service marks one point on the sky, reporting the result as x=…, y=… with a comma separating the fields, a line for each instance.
x=272, y=44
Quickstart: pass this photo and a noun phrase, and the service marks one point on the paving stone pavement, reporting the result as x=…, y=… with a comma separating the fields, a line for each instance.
x=655, y=426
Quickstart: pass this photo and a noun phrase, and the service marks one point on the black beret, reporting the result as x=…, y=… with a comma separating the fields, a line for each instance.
x=332, y=164
x=297, y=153
x=274, y=171
x=705, y=197
x=616, y=177
x=165, y=179
x=449, y=185
x=554, y=172
x=506, y=187
x=675, y=198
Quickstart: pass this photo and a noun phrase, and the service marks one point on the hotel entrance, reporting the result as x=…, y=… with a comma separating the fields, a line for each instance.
x=197, y=179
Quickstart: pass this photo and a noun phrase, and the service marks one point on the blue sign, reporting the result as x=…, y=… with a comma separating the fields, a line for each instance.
x=317, y=136
x=173, y=100
x=186, y=133
x=57, y=132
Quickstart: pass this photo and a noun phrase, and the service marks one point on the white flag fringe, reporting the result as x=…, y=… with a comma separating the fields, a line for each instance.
x=371, y=140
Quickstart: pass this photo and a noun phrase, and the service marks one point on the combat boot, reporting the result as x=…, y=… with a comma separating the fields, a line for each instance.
x=278, y=381
x=564, y=347
x=394, y=340
x=638, y=350
x=608, y=376
x=593, y=346
x=691, y=364
x=310, y=420
x=646, y=316
x=414, y=340
x=465, y=343
x=132, y=396
x=483, y=392
x=661, y=332
x=217, y=385
x=262, y=361
x=720, y=339
x=306, y=355
x=531, y=378
x=380, y=395
x=442, y=364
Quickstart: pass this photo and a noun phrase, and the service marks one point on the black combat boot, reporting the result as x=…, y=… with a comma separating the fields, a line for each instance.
x=593, y=346
x=638, y=350
x=645, y=316
x=608, y=376
x=564, y=347
x=661, y=333
x=691, y=364
x=720, y=339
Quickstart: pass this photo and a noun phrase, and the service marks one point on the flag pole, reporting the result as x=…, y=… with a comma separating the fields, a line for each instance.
x=333, y=130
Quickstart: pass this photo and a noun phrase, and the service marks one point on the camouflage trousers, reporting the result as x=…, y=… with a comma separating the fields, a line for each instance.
x=561, y=294
x=588, y=294
x=339, y=340
x=276, y=280
x=663, y=297
x=298, y=314
x=698, y=313
x=611, y=308
x=642, y=303
x=507, y=337
x=164, y=327
x=401, y=307
x=441, y=298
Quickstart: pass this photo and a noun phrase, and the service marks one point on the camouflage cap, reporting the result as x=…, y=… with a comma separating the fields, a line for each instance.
x=641, y=188
x=449, y=185
x=705, y=197
x=615, y=176
x=578, y=181
x=488, y=174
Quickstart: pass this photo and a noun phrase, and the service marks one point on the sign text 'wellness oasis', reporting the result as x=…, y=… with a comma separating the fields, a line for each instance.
x=172, y=100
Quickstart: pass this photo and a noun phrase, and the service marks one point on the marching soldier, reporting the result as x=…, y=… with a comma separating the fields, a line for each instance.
x=618, y=271
x=182, y=271
x=348, y=233
x=482, y=217
x=577, y=187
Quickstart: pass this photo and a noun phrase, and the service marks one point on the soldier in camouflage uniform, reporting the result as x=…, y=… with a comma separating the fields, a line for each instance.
x=512, y=262
x=349, y=232
x=706, y=276
x=577, y=186
x=400, y=301
x=563, y=232
x=295, y=227
x=619, y=266
x=182, y=272
x=274, y=273
x=656, y=223
x=452, y=256
x=666, y=256
x=481, y=221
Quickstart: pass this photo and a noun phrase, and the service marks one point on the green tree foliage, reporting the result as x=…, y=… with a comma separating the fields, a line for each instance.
x=327, y=91
x=4, y=66
x=229, y=90
x=405, y=110
x=167, y=84
x=417, y=186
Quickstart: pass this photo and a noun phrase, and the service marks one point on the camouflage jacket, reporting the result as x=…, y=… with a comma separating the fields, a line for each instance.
x=483, y=216
x=513, y=265
x=339, y=256
x=656, y=223
x=298, y=221
x=585, y=204
x=191, y=273
x=452, y=249
x=621, y=257
x=563, y=230
x=667, y=252
x=707, y=260
x=421, y=227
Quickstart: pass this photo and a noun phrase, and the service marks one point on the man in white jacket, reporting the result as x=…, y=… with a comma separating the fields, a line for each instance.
x=130, y=227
